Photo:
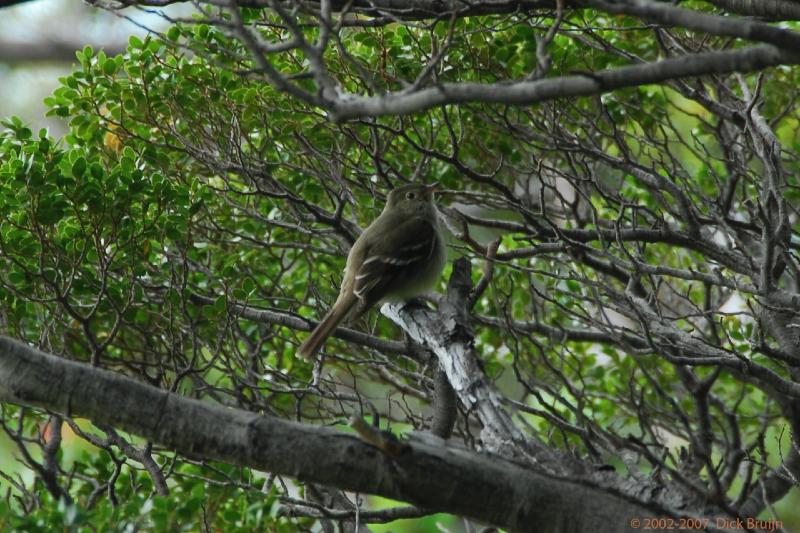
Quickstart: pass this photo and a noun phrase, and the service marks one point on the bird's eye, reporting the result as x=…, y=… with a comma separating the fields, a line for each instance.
x=411, y=195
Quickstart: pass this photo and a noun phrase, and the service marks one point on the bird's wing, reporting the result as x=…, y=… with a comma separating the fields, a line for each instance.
x=403, y=249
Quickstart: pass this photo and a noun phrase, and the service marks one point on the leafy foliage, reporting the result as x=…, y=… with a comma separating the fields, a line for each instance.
x=189, y=191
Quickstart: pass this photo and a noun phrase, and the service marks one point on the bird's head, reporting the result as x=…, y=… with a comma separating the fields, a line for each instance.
x=412, y=198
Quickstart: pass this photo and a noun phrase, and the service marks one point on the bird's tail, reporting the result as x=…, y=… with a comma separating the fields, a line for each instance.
x=337, y=313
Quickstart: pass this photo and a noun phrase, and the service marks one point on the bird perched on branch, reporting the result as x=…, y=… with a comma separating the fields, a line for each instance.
x=399, y=256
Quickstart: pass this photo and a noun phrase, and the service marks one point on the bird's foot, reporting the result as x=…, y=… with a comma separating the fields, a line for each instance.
x=414, y=304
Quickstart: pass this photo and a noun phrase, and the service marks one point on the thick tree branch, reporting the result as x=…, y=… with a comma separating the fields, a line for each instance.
x=391, y=10
x=436, y=476
x=444, y=405
x=670, y=15
x=772, y=9
x=532, y=92
x=449, y=336
x=427, y=9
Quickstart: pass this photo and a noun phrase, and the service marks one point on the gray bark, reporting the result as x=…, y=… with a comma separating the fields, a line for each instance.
x=433, y=475
x=532, y=92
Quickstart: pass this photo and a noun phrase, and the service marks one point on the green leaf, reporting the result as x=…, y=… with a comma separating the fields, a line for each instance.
x=79, y=167
x=174, y=33
x=109, y=67
x=135, y=42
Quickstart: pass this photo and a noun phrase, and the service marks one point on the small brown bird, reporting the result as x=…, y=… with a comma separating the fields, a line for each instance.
x=399, y=256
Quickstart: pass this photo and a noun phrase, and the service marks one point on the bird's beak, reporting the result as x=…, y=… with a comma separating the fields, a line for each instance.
x=433, y=188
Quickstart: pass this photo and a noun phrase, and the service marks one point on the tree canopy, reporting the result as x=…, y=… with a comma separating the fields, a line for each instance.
x=616, y=337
